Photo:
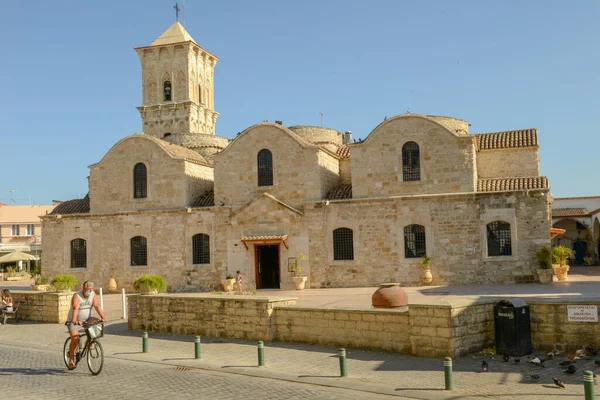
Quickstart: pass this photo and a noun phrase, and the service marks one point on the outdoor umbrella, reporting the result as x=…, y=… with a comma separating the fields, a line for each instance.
x=16, y=256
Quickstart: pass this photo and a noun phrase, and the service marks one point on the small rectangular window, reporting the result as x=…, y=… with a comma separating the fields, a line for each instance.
x=30, y=230
x=15, y=230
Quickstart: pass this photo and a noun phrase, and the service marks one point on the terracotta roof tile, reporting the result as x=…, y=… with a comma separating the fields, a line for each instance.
x=77, y=206
x=206, y=200
x=344, y=151
x=504, y=184
x=507, y=139
x=569, y=212
x=340, y=192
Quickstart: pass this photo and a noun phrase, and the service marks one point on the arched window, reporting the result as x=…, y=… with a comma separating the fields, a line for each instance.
x=411, y=164
x=498, y=239
x=78, y=253
x=167, y=91
x=265, y=168
x=414, y=241
x=343, y=244
x=140, y=181
x=201, y=249
x=139, y=251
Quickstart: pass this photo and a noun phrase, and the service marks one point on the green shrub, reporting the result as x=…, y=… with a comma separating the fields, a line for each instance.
x=64, y=282
x=150, y=282
x=561, y=255
x=543, y=255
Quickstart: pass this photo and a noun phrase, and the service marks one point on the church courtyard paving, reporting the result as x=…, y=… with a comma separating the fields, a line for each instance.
x=369, y=372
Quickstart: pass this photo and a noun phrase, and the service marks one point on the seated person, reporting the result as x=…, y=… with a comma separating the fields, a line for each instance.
x=6, y=304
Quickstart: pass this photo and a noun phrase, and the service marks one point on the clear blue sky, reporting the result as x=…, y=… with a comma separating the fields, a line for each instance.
x=71, y=78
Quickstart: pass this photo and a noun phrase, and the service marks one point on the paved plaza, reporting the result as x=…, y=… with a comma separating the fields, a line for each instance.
x=32, y=366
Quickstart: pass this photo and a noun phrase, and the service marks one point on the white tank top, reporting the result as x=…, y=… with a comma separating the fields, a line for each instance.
x=85, y=307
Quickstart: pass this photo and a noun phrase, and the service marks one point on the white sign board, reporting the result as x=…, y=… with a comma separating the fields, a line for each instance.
x=580, y=313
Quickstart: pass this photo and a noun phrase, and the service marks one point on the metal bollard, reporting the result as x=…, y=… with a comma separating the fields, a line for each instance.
x=448, y=372
x=124, y=301
x=342, y=356
x=145, y=342
x=101, y=298
x=588, y=384
x=261, y=354
x=197, y=347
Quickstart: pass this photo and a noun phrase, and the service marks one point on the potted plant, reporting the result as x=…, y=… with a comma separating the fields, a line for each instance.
x=296, y=269
x=112, y=282
x=64, y=283
x=543, y=255
x=228, y=283
x=150, y=284
x=426, y=277
x=560, y=257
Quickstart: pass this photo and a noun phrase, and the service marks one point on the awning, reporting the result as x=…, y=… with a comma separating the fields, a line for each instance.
x=268, y=239
x=5, y=248
x=554, y=232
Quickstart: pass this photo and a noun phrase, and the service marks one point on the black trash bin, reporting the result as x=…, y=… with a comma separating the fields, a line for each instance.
x=512, y=327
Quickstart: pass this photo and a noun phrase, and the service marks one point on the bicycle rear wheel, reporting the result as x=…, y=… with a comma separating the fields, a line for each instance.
x=66, y=349
x=95, y=357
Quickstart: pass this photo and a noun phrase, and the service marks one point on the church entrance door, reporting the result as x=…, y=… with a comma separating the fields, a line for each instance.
x=267, y=266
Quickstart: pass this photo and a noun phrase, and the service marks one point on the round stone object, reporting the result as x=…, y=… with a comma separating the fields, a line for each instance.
x=390, y=295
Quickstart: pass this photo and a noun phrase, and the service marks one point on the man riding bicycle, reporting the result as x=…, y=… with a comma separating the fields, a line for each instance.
x=80, y=311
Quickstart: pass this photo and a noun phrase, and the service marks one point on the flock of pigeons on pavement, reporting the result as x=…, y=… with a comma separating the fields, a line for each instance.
x=570, y=363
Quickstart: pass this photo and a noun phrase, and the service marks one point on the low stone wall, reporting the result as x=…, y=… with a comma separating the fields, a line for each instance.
x=427, y=330
x=43, y=306
x=238, y=317
x=551, y=328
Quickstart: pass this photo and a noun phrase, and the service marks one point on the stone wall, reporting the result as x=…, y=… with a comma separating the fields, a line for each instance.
x=508, y=163
x=552, y=330
x=169, y=182
x=235, y=317
x=447, y=159
x=297, y=173
x=42, y=306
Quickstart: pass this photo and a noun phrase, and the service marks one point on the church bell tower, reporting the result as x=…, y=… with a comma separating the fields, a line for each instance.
x=178, y=88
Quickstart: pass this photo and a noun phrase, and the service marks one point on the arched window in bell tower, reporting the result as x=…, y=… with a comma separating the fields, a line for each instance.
x=167, y=91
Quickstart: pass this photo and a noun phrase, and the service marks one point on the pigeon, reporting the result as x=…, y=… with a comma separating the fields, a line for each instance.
x=580, y=353
x=571, y=369
x=550, y=355
x=517, y=360
x=537, y=361
x=534, y=377
x=597, y=362
x=558, y=383
x=484, y=366
x=565, y=363
x=505, y=357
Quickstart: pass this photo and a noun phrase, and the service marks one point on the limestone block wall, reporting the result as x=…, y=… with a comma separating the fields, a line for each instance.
x=455, y=230
x=111, y=180
x=329, y=171
x=345, y=172
x=327, y=137
x=43, y=306
x=508, y=163
x=296, y=170
x=552, y=330
x=169, y=242
x=239, y=317
x=447, y=160
x=200, y=179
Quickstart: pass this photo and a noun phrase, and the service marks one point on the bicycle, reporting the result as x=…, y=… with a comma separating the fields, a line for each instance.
x=91, y=350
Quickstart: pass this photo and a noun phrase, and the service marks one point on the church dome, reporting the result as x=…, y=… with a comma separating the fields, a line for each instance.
x=326, y=137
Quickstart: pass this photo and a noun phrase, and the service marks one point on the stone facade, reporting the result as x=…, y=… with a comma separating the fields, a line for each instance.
x=413, y=173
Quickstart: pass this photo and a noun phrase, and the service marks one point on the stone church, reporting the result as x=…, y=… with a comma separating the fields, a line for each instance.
x=180, y=201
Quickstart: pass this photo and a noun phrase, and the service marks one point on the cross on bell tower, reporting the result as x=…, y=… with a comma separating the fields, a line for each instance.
x=177, y=9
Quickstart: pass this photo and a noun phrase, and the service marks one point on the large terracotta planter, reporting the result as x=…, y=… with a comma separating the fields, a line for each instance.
x=228, y=284
x=390, y=295
x=545, y=275
x=299, y=282
x=426, y=277
x=561, y=272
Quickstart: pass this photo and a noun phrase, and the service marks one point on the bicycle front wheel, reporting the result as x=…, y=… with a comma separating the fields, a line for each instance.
x=95, y=357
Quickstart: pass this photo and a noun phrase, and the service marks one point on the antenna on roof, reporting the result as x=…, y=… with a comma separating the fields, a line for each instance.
x=183, y=12
x=321, y=113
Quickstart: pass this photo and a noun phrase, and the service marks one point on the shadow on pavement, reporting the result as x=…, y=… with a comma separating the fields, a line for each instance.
x=30, y=371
